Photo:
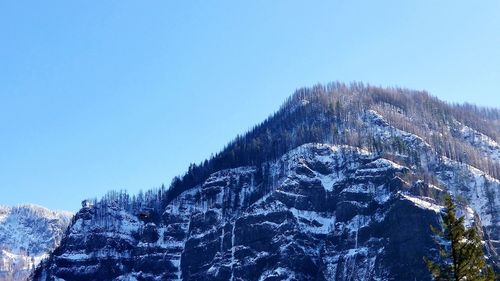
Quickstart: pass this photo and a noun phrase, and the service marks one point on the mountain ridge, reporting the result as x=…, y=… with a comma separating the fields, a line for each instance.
x=334, y=162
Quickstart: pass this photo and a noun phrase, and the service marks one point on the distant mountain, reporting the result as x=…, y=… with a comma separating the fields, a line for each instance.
x=28, y=233
x=341, y=183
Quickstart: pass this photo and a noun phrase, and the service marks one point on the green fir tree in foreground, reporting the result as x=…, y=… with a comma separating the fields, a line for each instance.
x=460, y=251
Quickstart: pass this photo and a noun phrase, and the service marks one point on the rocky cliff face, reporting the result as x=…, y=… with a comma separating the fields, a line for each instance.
x=359, y=209
x=324, y=213
x=28, y=234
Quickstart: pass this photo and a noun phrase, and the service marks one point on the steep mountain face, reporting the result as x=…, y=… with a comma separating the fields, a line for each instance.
x=28, y=233
x=341, y=184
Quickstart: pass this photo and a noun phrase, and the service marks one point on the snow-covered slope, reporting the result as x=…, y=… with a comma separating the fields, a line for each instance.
x=488, y=146
x=480, y=190
x=28, y=233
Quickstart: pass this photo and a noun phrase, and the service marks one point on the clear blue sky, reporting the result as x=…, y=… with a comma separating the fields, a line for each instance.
x=101, y=95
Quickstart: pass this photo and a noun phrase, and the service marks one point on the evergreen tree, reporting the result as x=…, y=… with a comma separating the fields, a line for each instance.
x=460, y=250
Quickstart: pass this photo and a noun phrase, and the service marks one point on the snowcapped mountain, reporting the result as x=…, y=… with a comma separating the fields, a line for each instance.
x=341, y=183
x=28, y=233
